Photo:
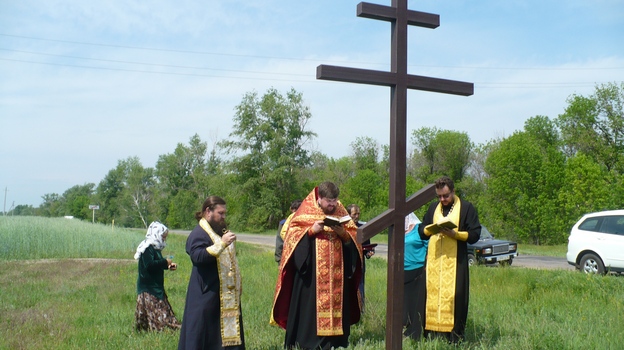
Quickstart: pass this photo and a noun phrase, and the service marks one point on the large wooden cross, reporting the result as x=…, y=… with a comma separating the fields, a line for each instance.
x=399, y=81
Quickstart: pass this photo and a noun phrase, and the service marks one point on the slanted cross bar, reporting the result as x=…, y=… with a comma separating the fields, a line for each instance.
x=399, y=81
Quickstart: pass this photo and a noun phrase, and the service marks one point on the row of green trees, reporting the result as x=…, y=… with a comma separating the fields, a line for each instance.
x=530, y=186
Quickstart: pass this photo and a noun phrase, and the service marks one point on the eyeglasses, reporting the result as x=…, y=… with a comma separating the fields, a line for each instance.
x=445, y=196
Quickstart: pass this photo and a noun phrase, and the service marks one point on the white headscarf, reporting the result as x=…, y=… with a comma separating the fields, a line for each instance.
x=410, y=221
x=154, y=237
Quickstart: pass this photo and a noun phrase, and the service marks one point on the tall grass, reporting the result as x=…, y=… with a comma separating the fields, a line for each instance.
x=68, y=303
x=36, y=237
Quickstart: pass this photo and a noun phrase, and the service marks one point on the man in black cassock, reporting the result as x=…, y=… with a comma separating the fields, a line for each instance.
x=212, y=314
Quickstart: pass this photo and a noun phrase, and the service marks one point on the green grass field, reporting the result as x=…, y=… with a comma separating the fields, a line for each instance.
x=67, y=284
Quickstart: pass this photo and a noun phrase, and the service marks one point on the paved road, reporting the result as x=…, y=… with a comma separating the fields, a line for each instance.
x=529, y=261
x=542, y=262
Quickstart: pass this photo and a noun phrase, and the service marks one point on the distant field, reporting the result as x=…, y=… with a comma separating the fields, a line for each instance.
x=67, y=284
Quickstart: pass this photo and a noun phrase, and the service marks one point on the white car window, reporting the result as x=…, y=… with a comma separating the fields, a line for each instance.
x=590, y=224
x=613, y=225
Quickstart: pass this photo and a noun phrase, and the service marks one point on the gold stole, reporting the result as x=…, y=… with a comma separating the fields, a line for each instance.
x=442, y=275
x=230, y=286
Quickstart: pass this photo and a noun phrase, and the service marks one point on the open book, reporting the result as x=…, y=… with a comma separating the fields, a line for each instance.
x=437, y=227
x=334, y=221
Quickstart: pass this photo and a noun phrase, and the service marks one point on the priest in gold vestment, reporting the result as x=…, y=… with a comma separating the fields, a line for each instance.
x=316, y=297
x=447, y=275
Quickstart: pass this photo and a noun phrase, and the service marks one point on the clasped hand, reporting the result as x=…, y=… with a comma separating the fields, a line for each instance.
x=448, y=232
x=229, y=237
x=342, y=233
x=171, y=265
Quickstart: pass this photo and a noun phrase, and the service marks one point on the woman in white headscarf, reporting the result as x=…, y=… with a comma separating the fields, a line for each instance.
x=414, y=283
x=153, y=311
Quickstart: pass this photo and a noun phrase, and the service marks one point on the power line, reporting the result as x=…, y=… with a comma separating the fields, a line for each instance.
x=485, y=85
x=302, y=59
x=152, y=64
x=153, y=72
x=172, y=50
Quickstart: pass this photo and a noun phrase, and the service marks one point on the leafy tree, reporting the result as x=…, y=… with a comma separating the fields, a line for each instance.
x=365, y=189
x=365, y=181
x=76, y=201
x=588, y=188
x=184, y=181
x=51, y=206
x=365, y=152
x=473, y=185
x=138, y=192
x=323, y=168
x=594, y=125
x=523, y=183
x=23, y=210
x=108, y=193
x=440, y=152
x=181, y=210
x=543, y=131
x=185, y=169
x=268, y=140
x=127, y=193
x=423, y=159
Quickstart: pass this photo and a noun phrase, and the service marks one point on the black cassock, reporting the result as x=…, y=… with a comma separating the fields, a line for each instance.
x=301, y=327
x=201, y=326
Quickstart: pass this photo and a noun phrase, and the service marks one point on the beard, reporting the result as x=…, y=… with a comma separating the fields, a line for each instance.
x=329, y=210
x=218, y=226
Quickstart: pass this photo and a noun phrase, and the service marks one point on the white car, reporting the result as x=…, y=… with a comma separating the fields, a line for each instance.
x=596, y=243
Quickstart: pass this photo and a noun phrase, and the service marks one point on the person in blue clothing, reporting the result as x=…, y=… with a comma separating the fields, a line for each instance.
x=153, y=311
x=414, y=283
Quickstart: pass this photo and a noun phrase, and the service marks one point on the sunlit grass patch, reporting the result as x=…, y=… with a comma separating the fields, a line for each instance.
x=74, y=302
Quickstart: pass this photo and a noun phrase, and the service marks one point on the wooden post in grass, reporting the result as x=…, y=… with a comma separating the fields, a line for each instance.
x=399, y=81
x=94, y=208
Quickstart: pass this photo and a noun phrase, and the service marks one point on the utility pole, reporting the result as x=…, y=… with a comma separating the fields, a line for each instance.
x=5, y=193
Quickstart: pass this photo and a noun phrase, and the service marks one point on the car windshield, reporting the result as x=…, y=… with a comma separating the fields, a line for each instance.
x=485, y=234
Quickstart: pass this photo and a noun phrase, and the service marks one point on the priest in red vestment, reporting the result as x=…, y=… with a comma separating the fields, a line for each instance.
x=316, y=298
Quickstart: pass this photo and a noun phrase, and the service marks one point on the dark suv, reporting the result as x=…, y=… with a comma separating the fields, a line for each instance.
x=489, y=250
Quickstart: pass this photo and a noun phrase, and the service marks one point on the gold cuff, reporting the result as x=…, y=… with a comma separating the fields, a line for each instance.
x=461, y=236
x=216, y=250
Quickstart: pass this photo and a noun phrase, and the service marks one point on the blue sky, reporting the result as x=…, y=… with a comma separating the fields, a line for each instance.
x=84, y=84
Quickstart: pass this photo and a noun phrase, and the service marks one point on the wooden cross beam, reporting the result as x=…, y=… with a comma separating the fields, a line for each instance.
x=399, y=81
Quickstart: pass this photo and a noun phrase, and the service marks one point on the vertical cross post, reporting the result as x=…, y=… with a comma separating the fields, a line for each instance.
x=399, y=81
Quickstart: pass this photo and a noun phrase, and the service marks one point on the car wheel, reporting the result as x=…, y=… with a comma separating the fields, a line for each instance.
x=471, y=260
x=591, y=264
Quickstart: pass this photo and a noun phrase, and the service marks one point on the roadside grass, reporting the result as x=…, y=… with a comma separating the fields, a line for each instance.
x=558, y=251
x=52, y=296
